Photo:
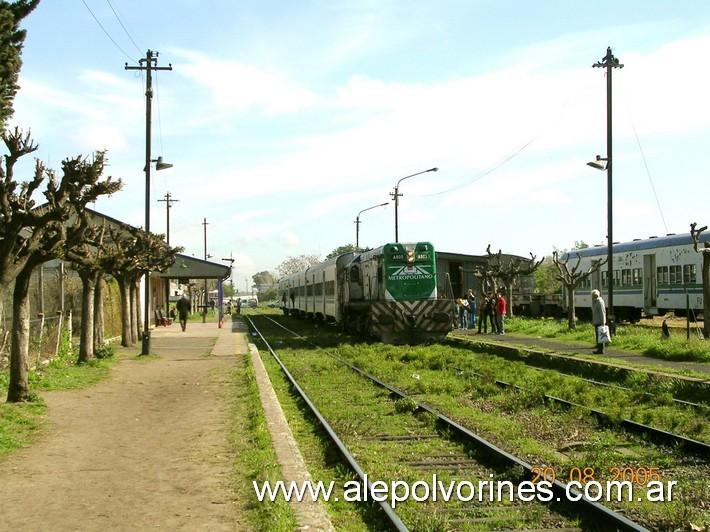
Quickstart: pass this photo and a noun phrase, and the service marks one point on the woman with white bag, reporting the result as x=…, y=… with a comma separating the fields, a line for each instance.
x=601, y=331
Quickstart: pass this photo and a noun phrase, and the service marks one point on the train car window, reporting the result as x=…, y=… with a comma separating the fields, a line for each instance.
x=355, y=274
x=626, y=277
x=676, y=275
x=636, y=276
x=689, y=274
x=616, y=277
x=662, y=274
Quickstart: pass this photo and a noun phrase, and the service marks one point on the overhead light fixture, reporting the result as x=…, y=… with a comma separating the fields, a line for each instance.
x=600, y=164
x=160, y=165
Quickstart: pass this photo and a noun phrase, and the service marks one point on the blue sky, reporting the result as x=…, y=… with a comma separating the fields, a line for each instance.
x=284, y=120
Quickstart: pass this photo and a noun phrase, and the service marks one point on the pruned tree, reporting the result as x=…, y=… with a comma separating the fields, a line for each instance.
x=508, y=269
x=86, y=260
x=705, y=250
x=296, y=264
x=131, y=252
x=31, y=235
x=571, y=278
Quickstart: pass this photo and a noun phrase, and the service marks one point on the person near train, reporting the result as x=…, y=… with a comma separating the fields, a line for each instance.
x=472, y=309
x=501, y=309
x=492, y=312
x=462, y=321
x=483, y=315
x=598, y=319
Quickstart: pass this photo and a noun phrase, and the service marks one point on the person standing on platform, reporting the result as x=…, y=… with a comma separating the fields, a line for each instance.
x=501, y=309
x=598, y=319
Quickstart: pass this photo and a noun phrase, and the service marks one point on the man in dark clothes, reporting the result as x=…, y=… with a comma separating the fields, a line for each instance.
x=183, y=307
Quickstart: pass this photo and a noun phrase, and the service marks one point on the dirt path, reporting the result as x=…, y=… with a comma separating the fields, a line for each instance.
x=146, y=449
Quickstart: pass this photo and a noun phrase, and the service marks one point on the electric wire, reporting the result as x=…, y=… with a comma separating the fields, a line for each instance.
x=105, y=31
x=120, y=21
x=643, y=157
x=563, y=110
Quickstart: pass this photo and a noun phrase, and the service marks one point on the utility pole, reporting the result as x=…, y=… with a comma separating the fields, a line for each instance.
x=204, y=315
x=148, y=64
x=609, y=62
x=168, y=203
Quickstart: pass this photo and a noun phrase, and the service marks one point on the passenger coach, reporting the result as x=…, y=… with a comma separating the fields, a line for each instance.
x=651, y=277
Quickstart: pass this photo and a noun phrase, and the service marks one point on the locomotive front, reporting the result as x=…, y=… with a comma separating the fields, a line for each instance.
x=411, y=310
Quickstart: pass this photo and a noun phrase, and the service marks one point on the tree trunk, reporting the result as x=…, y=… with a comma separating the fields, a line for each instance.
x=509, y=297
x=99, y=314
x=706, y=292
x=126, y=326
x=571, y=317
x=136, y=312
x=18, y=389
x=86, y=338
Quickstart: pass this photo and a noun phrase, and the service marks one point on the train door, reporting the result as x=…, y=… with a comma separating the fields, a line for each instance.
x=649, y=278
x=355, y=282
x=456, y=276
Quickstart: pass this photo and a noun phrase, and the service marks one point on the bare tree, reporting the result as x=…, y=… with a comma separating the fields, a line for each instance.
x=31, y=235
x=508, y=269
x=695, y=234
x=571, y=278
x=131, y=253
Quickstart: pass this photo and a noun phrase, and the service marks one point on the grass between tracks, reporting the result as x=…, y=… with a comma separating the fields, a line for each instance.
x=520, y=423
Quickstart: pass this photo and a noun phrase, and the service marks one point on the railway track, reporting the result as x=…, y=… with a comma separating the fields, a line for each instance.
x=391, y=440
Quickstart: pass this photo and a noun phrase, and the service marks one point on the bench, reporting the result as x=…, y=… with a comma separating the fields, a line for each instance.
x=161, y=320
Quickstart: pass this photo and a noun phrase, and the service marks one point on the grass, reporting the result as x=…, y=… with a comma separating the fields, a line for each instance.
x=644, y=340
x=254, y=457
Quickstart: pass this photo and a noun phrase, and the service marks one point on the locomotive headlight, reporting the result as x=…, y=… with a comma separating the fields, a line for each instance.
x=410, y=256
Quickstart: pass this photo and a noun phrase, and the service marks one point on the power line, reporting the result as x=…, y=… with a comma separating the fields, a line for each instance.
x=120, y=21
x=643, y=157
x=106, y=32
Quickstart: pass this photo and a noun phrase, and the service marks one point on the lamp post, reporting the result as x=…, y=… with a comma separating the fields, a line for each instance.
x=396, y=196
x=168, y=203
x=357, y=224
x=148, y=64
x=609, y=62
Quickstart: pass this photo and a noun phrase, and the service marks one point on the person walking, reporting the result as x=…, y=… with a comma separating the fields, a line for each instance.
x=183, y=307
x=472, y=309
x=501, y=309
x=598, y=319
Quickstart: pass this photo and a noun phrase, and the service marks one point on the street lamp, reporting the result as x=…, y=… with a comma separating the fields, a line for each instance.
x=609, y=62
x=357, y=224
x=396, y=196
x=149, y=64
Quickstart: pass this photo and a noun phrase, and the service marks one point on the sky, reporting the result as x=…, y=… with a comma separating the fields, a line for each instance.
x=286, y=120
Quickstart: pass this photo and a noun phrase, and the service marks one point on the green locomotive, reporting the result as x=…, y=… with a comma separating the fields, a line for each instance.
x=389, y=293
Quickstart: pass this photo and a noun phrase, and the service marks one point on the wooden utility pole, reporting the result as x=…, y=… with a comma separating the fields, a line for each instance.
x=148, y=64
x=168, y=203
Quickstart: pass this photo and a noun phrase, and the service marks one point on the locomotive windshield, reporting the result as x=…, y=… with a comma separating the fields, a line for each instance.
x=410, y=272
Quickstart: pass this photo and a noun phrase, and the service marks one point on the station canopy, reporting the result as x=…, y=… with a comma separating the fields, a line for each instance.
x=187, y=268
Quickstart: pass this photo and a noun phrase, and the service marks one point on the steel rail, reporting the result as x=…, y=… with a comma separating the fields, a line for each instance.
x=389, y=512
x=560, y=489
x=655, y=434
